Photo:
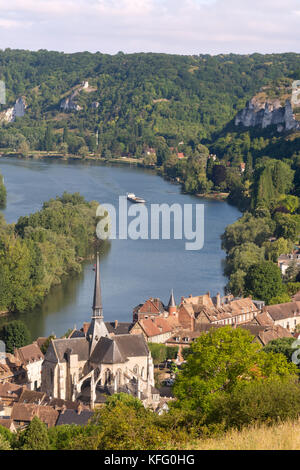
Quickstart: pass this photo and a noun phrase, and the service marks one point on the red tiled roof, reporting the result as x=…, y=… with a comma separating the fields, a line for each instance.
x=25, y=412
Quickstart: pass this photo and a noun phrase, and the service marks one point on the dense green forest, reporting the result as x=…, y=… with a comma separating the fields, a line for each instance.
x=172, y=105
x=41, y=248
x=155, y=100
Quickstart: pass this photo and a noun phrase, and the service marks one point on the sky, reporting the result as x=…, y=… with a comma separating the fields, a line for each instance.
x=170, y=26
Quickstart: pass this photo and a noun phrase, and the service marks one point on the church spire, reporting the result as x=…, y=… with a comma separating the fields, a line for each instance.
x=172, y=309
x=172, y=300
x=97, y=328
x=97, y=302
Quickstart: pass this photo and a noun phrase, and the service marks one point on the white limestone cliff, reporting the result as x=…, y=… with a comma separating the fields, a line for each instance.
x=258, y=113
x=18, y=110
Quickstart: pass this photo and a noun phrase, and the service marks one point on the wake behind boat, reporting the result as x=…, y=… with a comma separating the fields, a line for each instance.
x=133, y=198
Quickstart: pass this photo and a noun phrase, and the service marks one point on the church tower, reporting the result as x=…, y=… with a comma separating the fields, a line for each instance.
x=172, y=309
x=97, y=327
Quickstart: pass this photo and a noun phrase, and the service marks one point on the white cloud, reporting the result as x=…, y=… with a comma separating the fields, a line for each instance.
x=176, y=26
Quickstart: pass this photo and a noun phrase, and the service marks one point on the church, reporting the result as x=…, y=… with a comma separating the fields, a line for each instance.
x=91, y=365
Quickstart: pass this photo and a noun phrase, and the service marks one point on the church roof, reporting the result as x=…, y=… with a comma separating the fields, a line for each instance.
x=107, y=352
x=60, y=348
x=119, y=349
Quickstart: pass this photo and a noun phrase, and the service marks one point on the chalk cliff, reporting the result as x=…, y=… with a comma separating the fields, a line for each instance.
x=18, y=110
x=262, y=111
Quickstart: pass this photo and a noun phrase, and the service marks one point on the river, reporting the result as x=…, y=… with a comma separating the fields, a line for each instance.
x=132, y=271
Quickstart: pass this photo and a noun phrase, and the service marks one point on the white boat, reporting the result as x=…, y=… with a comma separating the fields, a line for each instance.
x=133, y=198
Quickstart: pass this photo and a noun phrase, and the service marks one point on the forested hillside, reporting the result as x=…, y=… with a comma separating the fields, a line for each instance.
x=226, y=123
x=133, y=101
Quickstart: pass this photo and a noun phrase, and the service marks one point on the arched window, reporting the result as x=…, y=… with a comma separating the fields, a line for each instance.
x=107, y=377
x=119, y=377
x=142, y=372
x=136, y=369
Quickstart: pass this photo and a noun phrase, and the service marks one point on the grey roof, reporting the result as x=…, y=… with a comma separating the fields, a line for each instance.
x=106, y=352
x=73, y=417
x=60, y=348
x=77, y=334
x=172, y=300
x=118, y=349
x=132, y=345
x=122, y=328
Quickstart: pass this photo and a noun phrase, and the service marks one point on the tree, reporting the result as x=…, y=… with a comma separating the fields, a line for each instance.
x=35, y=437
x=221, y=360
x=280, y=299
x=15, y=335
x=24, y=148
x=48, y=139
x=4, y=444
x=218, y=174
x=83, y=151
x=158, y=352
x=263, y=281
x=282, y=346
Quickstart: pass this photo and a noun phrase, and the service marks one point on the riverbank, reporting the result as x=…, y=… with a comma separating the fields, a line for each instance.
x=39, y=155
x=129, y=161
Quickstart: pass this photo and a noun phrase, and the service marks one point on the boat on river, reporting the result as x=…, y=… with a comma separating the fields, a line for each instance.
x=133, y=198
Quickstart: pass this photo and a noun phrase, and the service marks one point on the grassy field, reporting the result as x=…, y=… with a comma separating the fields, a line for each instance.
x=284, y=436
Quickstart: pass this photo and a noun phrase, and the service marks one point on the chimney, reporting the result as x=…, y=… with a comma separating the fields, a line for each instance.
x=218, y=300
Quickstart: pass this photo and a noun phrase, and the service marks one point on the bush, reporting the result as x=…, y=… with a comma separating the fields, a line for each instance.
x=271, y=400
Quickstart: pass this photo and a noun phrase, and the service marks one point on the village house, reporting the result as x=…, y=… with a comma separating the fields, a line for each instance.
x=32, y=359
x=286, y=315
x=152, y=308
x=23, y=413
x=203, y=310
x=287, y=261
x=9, y=394
x=12, y=370
x=18, y=406
x=155, y=321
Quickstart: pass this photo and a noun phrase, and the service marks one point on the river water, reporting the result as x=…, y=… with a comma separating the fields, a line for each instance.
x=131, y=271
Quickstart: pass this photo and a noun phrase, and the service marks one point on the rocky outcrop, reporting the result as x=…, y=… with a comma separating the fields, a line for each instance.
x=18, y=110
x=268, y=113
x=69, y=104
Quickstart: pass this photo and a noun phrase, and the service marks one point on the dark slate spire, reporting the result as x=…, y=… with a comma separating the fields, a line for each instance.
x=97, y=327
x=97, y=302
x=172, y=300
